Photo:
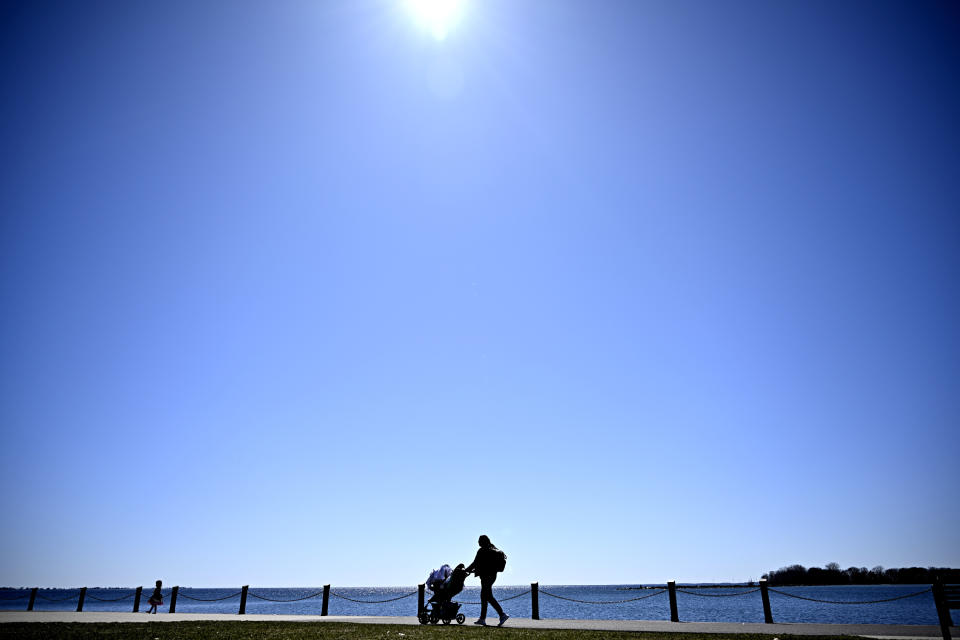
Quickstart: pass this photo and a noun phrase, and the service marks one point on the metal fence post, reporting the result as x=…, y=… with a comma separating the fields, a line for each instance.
x=243, y=599
x=765, y=596
x=136, y=600
x=83, y=596
x=943, y=612
x=33, y=598
x=420, y=596
x=326, y=599
x=173, y=600
x=535, y=600
x=672, y=586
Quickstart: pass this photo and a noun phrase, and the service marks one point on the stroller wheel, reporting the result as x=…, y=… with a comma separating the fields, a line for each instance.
x=423, y=618
x=434, y=618
x=446, y=621
x=461, y=618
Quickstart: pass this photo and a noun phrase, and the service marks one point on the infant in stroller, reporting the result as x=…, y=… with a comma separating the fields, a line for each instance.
x=444, y=583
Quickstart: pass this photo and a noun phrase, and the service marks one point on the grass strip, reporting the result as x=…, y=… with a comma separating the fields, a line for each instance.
x=239, y=630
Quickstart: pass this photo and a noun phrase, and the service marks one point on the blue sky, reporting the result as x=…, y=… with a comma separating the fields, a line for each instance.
x=297, y=293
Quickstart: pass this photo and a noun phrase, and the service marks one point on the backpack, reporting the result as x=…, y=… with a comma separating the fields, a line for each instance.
x=500, y=560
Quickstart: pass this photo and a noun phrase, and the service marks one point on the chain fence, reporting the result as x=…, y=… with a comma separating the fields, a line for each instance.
x=793, y=595
x=120, y=599
x=181, y=594
x=514, y=597
x=8, y=596
x=76, y=595
x=717, y=595
x=337, y=595
x=553, y=595
x=312, y=595
x=500, y=599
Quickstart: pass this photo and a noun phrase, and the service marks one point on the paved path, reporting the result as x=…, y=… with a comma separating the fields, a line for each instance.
x=870, y=630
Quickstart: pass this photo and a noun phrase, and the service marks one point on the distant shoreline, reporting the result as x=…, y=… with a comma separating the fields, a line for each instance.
x=756, y=586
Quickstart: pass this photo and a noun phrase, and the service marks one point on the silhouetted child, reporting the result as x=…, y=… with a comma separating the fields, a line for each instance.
x=156, y=598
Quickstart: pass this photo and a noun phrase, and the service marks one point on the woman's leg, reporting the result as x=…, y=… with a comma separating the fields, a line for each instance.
x=486, y=595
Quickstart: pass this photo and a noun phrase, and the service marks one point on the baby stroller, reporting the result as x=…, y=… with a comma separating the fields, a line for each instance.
x=444, y=583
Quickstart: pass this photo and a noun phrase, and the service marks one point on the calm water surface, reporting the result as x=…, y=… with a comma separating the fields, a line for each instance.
x=692, y=608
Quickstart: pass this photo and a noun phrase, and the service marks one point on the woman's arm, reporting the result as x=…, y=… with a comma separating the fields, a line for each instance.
x=474, y=563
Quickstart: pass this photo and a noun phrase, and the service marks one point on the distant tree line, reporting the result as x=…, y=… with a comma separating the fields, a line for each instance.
x=797, y=574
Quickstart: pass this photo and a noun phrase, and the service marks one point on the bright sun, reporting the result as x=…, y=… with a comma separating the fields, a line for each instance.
x=437, y=16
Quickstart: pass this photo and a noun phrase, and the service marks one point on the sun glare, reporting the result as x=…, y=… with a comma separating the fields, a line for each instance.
x=437, y=16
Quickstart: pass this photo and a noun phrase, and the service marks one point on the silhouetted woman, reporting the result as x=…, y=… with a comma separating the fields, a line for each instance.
x=485, y=566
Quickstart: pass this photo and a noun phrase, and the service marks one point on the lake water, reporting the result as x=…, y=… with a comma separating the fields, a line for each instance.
x=705, y=607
